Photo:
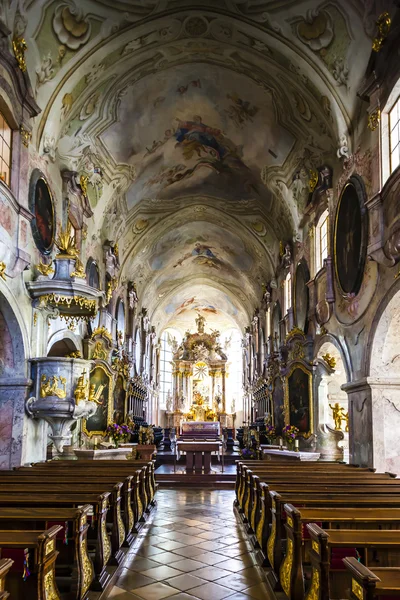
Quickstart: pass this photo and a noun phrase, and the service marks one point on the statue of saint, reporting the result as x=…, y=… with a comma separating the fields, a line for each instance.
x=200, y=322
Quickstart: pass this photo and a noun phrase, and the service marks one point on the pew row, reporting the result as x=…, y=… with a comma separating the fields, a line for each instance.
x=369, y=585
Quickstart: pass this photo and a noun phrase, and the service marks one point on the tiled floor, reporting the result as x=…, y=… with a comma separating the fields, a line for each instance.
x=193, y=549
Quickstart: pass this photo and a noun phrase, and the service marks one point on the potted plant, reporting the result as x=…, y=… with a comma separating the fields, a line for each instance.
x=248, y=453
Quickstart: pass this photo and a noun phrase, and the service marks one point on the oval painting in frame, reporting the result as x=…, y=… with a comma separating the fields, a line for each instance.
x=42, y=207
x=350, y=239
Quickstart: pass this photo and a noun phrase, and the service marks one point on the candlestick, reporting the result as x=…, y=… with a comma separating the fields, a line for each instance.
x=281, y=443
x=296, y=445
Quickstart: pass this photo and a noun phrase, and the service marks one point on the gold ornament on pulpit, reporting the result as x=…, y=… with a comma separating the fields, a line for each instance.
x=49, y=386
x=82, y=388
x=94, y=395
x=66, y=243
x=45, y=269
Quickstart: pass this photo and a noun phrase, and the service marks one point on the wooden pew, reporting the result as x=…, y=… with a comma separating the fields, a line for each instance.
x=291, y=571
x=100, y=503
x=368, y=585
x=340, y=516
x=74, y=554
x=41, y=584
x=76, y=495
x=5, y=566
x=322, y=542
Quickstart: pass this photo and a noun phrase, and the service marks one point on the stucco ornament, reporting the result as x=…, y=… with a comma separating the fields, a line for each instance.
x=70, y=26
x=316, y=29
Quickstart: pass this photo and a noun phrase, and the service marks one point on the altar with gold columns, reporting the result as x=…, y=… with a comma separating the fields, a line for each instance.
x=199, y=371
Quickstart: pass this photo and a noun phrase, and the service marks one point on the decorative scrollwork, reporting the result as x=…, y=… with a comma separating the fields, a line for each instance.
x=50, y=588
x=383, y=23
x=374, y=119
x=87, y=568
x=286, y=568
x=313, y=592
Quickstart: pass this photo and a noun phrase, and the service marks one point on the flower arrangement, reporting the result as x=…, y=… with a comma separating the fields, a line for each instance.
x=248, y=453
x=289, y=432
x=270, y=432
x=118, y=433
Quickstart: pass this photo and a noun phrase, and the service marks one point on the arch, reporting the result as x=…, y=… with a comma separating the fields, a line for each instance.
x=92, y=273
x=14, y=385
x=384, y=382
x=64, y=339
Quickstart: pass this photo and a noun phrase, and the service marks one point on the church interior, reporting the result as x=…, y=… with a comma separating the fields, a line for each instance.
x=199, y=299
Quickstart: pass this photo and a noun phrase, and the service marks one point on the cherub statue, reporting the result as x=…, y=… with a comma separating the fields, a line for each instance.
x=338, y=415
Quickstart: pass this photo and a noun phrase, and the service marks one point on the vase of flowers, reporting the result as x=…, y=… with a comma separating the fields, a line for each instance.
x=118, y=433
x=248, y=453
x=270, y=433
x=290, y=432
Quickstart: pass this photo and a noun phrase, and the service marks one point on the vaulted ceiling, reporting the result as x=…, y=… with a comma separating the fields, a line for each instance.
x=205, y=121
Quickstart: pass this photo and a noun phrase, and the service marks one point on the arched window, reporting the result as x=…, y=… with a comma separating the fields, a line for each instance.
x=394, y=135
x=5, y=150
x=232, y=340
x=390, y=134
x=165, y=368
x=268, y=323
x=287, y=292
x=120, y=318
x=321, y=241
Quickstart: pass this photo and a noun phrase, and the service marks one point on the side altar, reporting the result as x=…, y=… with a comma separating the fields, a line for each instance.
x=199, y=374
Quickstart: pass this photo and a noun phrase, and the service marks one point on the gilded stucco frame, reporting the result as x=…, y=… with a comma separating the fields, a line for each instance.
x=295, y=366
x=110, y=400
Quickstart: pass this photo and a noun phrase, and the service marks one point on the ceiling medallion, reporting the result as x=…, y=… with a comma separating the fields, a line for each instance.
x=196, y=26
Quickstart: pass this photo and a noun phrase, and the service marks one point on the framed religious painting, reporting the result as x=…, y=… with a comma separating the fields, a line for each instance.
x=41, y=206
x=278, y=405
x=350, y=237
x=298, y=399
x=119, y=400
x=301, y=295
x=101, y=390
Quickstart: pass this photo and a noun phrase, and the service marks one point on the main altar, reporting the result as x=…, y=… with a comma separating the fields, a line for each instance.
x=199, y=372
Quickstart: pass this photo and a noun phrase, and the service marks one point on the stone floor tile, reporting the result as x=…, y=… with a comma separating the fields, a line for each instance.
x=187, y=565
x=235, y=581
x=185, y=582
x=169, y=545
x=156, y=591
x=237, y=596
x=138, y=563
x=211, y=591
x=189, y=551
x=211, y=573
x=149, y=550
x=161, y=572
x=210, y=546
x=233, y=565
x=210, y=535
x=118, y=593
x=129, y=580
x=254, y=573
x=165, y=558
x=184, y=596
x=210, y=558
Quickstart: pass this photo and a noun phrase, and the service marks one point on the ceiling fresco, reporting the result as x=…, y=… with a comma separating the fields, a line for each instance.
x=194, y=129
x=197, y=131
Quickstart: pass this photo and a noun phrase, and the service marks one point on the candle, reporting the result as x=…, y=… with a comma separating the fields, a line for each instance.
x=296, y=445
x=280, y=442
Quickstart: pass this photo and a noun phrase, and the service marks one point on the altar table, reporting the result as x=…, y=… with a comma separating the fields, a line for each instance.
x=109, y=454
x=198, y=454
x=283, y=455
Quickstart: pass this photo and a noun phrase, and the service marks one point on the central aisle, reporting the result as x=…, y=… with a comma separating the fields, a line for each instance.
x=192, y=549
